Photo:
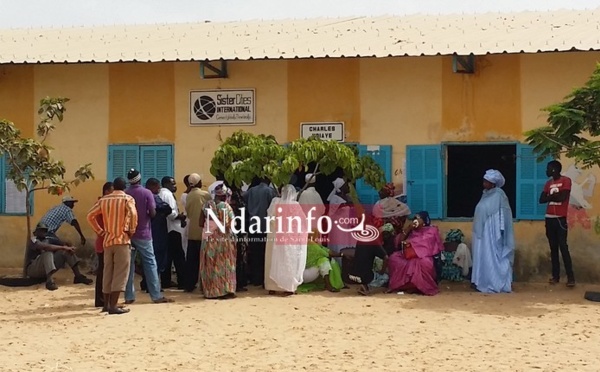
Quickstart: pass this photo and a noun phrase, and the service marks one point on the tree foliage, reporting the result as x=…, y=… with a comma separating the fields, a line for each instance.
x=29, y=163
x=244, y=156
x=573, y=126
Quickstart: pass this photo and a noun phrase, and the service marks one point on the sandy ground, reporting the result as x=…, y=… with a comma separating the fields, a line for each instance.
x=538, y=327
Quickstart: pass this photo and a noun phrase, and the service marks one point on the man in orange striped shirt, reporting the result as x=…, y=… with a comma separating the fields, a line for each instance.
x=120, y=219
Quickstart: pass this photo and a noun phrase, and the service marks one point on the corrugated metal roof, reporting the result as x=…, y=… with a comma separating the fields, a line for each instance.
x=416, y=35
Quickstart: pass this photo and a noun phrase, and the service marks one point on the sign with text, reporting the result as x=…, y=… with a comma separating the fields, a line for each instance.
x=326, y=131
x=222, y=107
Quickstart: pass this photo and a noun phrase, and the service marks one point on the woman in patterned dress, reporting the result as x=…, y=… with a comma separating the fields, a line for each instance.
x=218, y=254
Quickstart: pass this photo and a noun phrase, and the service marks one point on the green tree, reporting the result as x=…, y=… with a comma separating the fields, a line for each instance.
x=573, y=126
x=244, y=156
x=29, y=163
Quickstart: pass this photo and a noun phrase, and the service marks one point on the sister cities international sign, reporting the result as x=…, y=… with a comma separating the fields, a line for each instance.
x=324, y=130
x=222, y=107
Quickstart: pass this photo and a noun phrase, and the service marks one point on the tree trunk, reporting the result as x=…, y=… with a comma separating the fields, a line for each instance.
x=28, y=216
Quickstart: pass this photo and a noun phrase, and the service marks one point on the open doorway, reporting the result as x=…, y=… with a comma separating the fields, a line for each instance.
x=466, y=165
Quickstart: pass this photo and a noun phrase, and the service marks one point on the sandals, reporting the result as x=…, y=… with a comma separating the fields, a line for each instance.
x=364, y=290
x=163, y=300
x=82, y=279
x=118, y=311
x=553, y=281
x=105, y=309
x=51, y=286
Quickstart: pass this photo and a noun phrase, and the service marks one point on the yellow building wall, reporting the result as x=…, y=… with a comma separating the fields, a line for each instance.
x=401, y=104
x=395, y=101
x=411, y=101
x=81, y=138
x=196, y=145
x=321, y=90
x=485, y=105
x=16, y=105
x=546, y=79
x=141, y=103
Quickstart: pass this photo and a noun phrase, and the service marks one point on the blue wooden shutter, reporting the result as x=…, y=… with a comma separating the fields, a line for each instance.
x=531, y=177
x=382, y=156
x=424, y=178
x=12, y=201
x=157, y=162
x=121, y=158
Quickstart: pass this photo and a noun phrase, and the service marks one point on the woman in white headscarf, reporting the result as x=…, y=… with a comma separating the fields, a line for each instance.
x=341, y=214
x=493, y=238
x=310, y=198
x=285, y=255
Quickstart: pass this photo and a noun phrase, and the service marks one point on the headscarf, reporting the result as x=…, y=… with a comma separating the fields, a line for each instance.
x=388, y=190
x=221, y=190
x=455, y=236
x=337, y=187
x=288, y=194
x=494, y=176
x=425, y=217
x=391, y=207
x=310, y=178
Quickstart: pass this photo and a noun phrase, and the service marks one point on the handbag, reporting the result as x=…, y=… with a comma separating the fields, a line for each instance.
x=408, y=251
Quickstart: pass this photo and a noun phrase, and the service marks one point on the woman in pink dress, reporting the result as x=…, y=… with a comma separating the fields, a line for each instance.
x=412, y=267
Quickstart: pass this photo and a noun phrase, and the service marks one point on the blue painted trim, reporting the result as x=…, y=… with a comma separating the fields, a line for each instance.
x=422, y=183
x=3, y=167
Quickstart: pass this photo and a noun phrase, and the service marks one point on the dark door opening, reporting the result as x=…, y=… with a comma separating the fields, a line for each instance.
x=465, y=169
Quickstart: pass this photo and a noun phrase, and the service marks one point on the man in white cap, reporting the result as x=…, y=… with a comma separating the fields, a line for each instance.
x=311, y=199
x=194, y=208
x=56, y=216
x=493, y=237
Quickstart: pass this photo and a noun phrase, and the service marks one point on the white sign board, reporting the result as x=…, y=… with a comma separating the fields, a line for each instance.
x=326, y=131
x=222, y=107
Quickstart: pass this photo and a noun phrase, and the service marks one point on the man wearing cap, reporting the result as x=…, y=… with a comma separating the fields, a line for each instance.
x=142, y=240
x=44, y=259
x=194, y=208
x=56, y=216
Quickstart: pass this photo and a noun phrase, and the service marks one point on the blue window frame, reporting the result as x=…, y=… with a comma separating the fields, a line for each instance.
x=153, y=161
x=383, y=156
x=425, y=181
x=12, y=201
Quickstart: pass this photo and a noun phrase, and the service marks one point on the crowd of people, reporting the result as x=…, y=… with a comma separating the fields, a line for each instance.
x=203, y=238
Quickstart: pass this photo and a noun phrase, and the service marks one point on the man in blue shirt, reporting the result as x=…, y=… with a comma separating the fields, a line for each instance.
x=60, y=214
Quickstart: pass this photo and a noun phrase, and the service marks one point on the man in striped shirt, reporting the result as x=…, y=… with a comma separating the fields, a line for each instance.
x=120, y=220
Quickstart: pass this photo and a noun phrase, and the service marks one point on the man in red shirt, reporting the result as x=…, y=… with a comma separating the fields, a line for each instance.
x=99, y=247
x=556, y=193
